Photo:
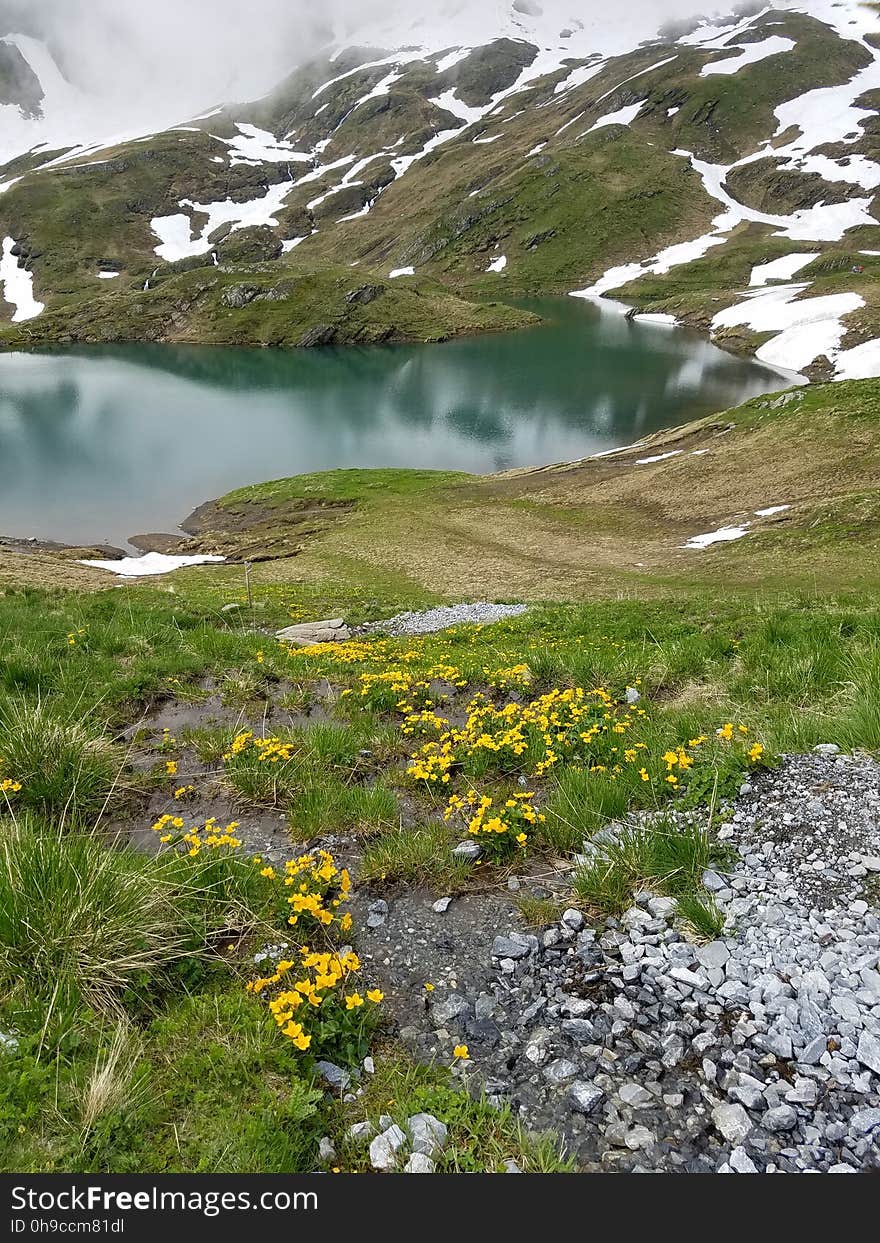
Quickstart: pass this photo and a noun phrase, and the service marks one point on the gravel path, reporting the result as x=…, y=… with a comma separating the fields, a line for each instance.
x=431, y=620
x=759, y=1052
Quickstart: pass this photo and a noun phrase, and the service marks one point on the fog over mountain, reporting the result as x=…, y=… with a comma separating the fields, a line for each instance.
x=169, y=59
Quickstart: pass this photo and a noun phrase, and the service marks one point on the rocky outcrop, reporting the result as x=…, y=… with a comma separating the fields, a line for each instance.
x=320, y=334
x=364, y=294
x=305, y=634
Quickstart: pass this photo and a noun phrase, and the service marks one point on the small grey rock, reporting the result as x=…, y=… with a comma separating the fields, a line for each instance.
x=428, y=1133
x=419, y=1163
x=733, y=1122
x=584, y=1096
x=385, y=1147
x=741, y=1162
x=560, y=1071
x=513, y=946
x=634, y=1095
x=782, y=1118
x=868, y=1051
x=334, y=1075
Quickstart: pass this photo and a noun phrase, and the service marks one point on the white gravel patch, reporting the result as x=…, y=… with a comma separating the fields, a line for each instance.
x=431, y=620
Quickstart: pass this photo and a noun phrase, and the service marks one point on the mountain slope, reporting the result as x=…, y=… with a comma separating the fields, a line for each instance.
x=533, y=162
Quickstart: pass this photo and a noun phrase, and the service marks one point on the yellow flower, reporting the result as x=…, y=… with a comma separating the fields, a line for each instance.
x=461, y=1053
x=353, y=1000
x=171, y=768
x=755, y=752
x=375, y=995
x=429, y=988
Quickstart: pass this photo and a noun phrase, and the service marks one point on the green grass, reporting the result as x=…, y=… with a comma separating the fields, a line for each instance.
x=286, y=303
x=414, y=856
x=538, y=912
x=321, y=781
x=481, y=1138
x=332, y=806
x=170, y=1101
x=67, y=765
x=87, y=923
x=701, y=915
x=666, y=855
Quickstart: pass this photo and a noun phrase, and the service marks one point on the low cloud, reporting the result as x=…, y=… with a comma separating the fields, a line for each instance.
x=188, y=55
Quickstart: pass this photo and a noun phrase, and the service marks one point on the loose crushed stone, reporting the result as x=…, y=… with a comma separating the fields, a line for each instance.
x=442, y=618
x=647, y=1051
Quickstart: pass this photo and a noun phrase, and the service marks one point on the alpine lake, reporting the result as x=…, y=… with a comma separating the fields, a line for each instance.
x=100, y=443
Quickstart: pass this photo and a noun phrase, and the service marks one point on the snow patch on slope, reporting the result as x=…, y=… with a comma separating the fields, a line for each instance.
x=623, y=116
x=749, y=54
x=779, y=269
x=175, y=233
x=150, y=564
x=18, y=285
x=807, y=328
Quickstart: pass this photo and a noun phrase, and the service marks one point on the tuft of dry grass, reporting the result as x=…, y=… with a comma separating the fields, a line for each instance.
x=108, y=1086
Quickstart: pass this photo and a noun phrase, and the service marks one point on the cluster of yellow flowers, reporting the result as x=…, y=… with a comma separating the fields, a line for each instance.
x=398, y=688
x=425, y=722
x=7, y=785
x=317, y=888
x=729, y=731
x=572, y=725
x=502, y=826
x=310, y=997
x=173, y=831
x=269, y=750
x=513, y=675
x=354, y=652
x=75, y=635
